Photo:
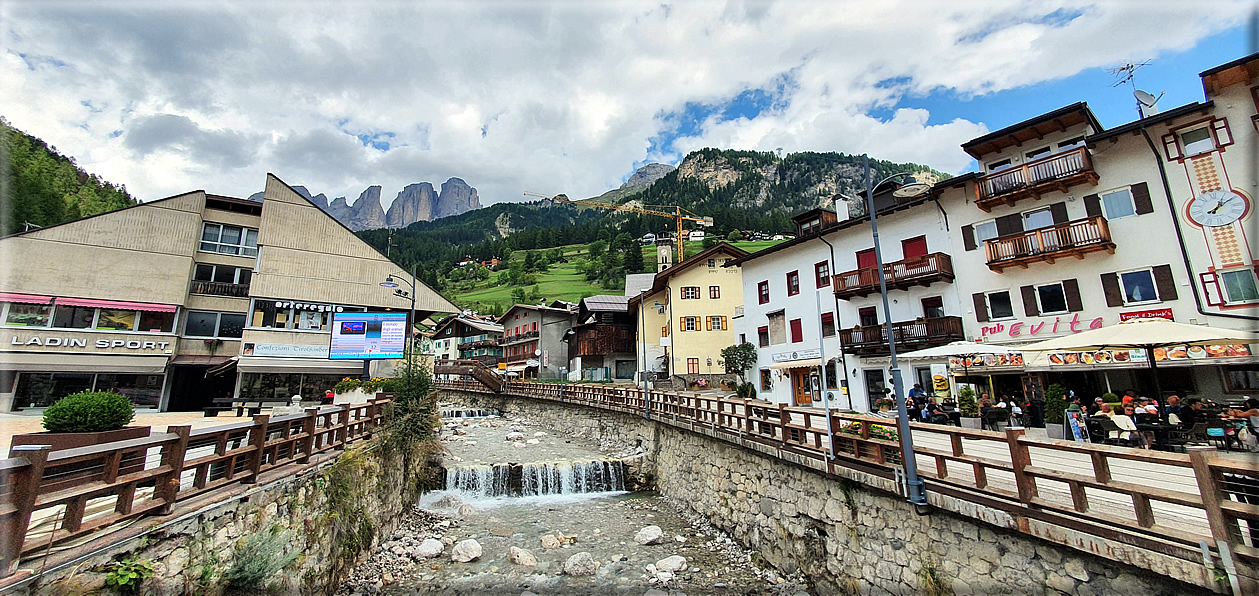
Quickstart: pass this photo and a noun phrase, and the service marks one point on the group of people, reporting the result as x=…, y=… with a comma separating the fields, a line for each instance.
x=1182, y=414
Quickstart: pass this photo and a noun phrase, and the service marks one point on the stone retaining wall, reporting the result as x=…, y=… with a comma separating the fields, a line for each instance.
x=853, y=534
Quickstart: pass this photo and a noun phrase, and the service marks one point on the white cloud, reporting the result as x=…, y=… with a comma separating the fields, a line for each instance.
x=561, y=97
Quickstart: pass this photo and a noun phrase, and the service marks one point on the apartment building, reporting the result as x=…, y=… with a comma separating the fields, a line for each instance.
x=467, y=336
x=533, y=339
x=601, y=343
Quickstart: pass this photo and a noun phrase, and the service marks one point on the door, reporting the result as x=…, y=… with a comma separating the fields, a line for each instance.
x=874, y=385
x=914, y=247
x=866, y=259
x=1035, y=220
x=801, y=391
x=191, y=390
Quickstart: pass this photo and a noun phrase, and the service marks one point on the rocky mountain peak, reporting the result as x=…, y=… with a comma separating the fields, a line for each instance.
x=456, y=197
x=366, y=212
x=647, y=174
x=414, y=203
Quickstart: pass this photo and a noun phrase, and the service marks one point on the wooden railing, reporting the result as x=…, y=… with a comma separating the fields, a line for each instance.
x=1073, y=238
x=909, y=335
x=507, y=339
x=898, y=275
x=218, y=288
x=48, y=497
x=1004, y=470
x=1046, y=170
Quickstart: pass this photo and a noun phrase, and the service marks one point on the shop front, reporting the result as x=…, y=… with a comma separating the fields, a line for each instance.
x=280, y=371
x=41, y=376
x=1221, y=373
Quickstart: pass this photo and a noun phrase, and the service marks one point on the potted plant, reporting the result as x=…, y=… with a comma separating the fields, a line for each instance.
x=1055, y=410
x=884, y=403
x=969, y=407
x=84, y=419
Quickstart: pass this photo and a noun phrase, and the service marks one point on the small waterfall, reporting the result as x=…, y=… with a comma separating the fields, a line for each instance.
x=446, y=414
x=479, y=481
x=560, y=478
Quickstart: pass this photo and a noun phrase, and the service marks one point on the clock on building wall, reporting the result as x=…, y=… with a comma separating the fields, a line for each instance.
x=1216, y=208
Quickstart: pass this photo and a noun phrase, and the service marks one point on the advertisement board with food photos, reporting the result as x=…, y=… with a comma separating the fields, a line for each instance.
x=1160, y=355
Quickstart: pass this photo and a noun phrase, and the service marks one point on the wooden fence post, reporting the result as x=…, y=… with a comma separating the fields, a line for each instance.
x=257, y=440
x=25, y=483
x=1020, y=458
x=1209, y=487
x=783, y=419
x=308, y=427
x=173, y=455
x=343, y=424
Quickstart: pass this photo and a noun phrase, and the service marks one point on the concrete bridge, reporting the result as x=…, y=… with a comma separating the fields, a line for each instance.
x=1009, y=513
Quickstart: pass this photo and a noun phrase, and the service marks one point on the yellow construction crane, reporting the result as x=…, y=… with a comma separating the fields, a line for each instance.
x=677, y=214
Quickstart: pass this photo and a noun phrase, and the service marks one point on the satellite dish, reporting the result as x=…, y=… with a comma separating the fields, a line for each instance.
x=1146, y=102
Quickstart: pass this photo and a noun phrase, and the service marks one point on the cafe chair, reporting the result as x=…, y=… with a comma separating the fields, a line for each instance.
x=1109, y=426
x=1217, y=436
x=992, y=420
x=1195, y=434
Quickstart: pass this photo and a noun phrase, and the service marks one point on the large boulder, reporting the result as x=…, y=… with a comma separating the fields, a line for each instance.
x=521, y=556
x=470, y=550
x=671, y=564
x=580, y=564
x=431, y=547
x=649, y=535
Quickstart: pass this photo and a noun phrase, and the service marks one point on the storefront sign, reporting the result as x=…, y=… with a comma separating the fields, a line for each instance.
x=1157, y=313
x=314, y=306
x=284, y=350
x=797, y=355
x=1160, y=354
x=27, y=341
x=940, y=385
x=1025, y=328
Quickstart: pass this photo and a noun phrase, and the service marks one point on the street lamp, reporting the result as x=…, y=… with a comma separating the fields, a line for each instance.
x=916, y=493
x=642, y=335
x=391, y=282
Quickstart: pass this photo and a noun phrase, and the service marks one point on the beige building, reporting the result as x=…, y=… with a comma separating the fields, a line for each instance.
x=180, y=301
x=685, y=316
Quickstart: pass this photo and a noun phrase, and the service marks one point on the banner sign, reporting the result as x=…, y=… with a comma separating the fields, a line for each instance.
x=368, y=335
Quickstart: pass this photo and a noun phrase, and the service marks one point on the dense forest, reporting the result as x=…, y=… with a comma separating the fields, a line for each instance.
x=41, y=187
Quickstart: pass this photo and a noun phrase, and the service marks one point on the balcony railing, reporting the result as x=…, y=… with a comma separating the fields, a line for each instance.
x=480, y=343
x=910, y=335
x=1057, y=172
x=899, y=275
x=511, y=339
x=1071, y=239
x=218, y=288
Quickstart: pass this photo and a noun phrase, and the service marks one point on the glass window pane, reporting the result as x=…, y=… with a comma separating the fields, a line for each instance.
x=251, y=237
x=1138, y=286
x=1035, y=220
x=73, y=317
x=243, y=276
x=201, y=324
x=35, y=390
x=231, y=325
x=144, y=390
x=264, y=314
x=203, y=272
x=157, y=322
x=120, y=320
x=1197, y=140
x=224, y=274
x=999, y=305
x=30, y=315
x=985, y=231
x=231, y=235
x=228, y=249
x=210, y=232
x=1118, y=204
x=1052, y=299
x=1240, y=286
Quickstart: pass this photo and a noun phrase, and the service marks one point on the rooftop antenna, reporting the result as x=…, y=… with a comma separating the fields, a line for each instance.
x=1126, y=75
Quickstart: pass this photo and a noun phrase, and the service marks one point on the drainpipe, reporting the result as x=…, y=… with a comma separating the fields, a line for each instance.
x=842, y=361
x=1180, y=238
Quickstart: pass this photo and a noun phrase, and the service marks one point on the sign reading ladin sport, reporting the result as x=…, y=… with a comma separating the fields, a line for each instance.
x=368, y=335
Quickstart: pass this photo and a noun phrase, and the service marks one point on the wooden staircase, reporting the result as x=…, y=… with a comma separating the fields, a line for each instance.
x=471, y=368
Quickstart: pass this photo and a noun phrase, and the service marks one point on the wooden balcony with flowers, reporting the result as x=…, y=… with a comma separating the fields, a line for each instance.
x=910, y=335
x=1071, y=239
x=916, y=271
x=1055, y=173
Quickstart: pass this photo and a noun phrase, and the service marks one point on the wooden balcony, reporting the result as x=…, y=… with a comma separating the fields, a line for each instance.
x=918, y=271
x=910, y=335
x=598, y=340
x=511, y=339
x=1056, y=173
x=481, y=343
x=217, y=288
x=1071, y=239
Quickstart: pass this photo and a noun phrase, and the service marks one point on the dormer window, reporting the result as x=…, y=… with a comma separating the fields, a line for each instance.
x=810, y=227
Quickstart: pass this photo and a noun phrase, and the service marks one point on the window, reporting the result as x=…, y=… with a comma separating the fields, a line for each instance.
x=797, y=331
x=985, y=231
x=777, y=328
x=822, y=273
x=1071, y=143
x=1197, y=141
x=1118, y=203
x=229, y=240
x=690, y=292
x=116, y=320
x=692, y=366
x=932, y=307
x=743, y=338
x=1037, y=219
x=73, y=317
x=828, y=324
x=811, y=226
x=867, y=259
x=29, y=315
x=1240, y=377
x=793, y=283
x=1036, y=153
x=1052, y=299
x=714, y=292
x=999, y=305
x=1239, y=286
x=767, y=380
x=716, y=323
x=1138, y=286
x=762, y=292
x=997, y=166
x=664, y=331
x=762, y=336
x=222, y=274
x=712, y=263
x=689, y=324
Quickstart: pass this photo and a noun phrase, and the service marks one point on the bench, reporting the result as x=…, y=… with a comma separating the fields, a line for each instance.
x=254, y=406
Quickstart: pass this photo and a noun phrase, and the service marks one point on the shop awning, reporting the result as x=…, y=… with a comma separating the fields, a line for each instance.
x=806, y=363
x=515, y=367
x=24, y=298
x=91, y=363
x=254, y=364
x=148, y=306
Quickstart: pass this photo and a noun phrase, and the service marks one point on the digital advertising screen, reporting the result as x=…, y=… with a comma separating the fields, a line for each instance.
x=368, y=335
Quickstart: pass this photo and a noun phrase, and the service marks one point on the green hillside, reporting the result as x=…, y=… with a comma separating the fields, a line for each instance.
x=41, y=187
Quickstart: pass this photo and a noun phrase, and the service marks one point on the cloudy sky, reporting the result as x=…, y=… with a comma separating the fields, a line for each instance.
x=567, y=96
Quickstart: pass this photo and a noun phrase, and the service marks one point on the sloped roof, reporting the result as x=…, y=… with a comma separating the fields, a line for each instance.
x=606, y=303
x=638, y=281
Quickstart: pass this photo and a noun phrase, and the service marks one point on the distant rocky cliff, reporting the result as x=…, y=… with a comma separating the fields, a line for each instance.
x=415, y=202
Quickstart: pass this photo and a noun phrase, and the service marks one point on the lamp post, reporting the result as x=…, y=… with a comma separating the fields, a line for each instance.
x=916, y=493
x=642, y=336
x=390, y=282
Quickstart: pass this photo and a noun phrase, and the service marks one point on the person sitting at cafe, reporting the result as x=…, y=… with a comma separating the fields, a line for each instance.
x=1129, y=397
x=1191, y=413
x=934, y=413
x=1251, y=416
x=1095, y=406
x=1016, y=413
x=1103, y=411
x=1075, y=405
x=1146, y=407
x=984, y=406
x=1128, y=428
x=1173, y=405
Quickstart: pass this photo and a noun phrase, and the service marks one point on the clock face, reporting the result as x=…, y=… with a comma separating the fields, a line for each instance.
x=1216, y=208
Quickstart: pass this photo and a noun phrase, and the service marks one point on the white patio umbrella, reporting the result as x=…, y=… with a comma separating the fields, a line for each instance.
x=1146, y=334
x=960, y=348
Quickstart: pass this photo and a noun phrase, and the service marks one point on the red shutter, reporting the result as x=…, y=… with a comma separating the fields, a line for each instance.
x=1223, y=136
x=1171, y=147
x=1029, y=301
x=968, y=237
x=866, y=259
x=1092, y=205
x=1141, y=198
x=797, y=333
x=981, y=307
x=914, y=247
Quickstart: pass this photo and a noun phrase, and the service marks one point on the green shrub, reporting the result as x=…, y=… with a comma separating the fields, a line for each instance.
x=1111, y=398
x=966, y=402
x=259, y=558
x=1055, y=405
x=126, y=575
x=88, y=412
x=746, y=391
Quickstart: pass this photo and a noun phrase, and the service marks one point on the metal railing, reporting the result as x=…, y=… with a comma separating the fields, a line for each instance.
x=218, y=288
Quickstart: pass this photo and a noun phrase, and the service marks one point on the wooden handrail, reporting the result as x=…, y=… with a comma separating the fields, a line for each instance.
x=1067, y=236
x=905, y=271
x=1034, y=172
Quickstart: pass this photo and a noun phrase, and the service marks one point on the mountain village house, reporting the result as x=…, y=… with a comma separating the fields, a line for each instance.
x=533, y=339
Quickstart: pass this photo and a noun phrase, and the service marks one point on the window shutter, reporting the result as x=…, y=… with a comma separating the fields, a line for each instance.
x=1223, y=135
x=1029, y=301
x=708, y=323
x=1141, y=198
x=1071, y=288
x=1059, y=212
x=981, y=307
x=1165, y=283
x=1110, y=287
x=968, y=237
x=1010, y=224
x=681, y=323
x=1092, y=206
x=1171, y=148
x=724, y=324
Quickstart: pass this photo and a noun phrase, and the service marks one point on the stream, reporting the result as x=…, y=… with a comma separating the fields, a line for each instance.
x=550, y=514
